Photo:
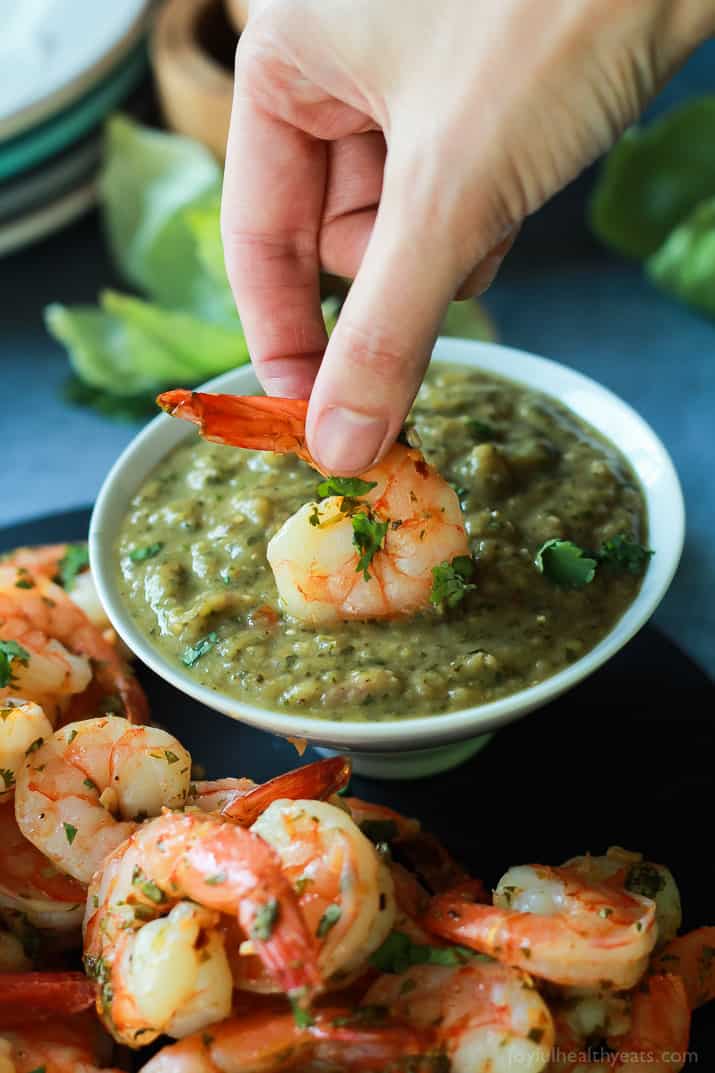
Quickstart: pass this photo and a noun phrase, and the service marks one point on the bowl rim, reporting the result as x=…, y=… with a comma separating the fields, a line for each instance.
x=130, y=471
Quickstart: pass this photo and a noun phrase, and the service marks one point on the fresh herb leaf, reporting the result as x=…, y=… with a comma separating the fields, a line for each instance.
x=216, y=880
x=265, y=921
x=564, y=563
x=139, y=555
x=91, y=785
x=344, y=486
x=34, y=746
x=379, y=830
x=9, y=651
x=25, y=583
x=685, y=263
x=480, y=430
x=398, y=953
x=72, y=563
x=193, y=653
x=625, y=554
x=148, y=887
x=171, y=758
x=301, y=1016
x=70, y=832
x=451, y=581
x=8, y=777
x=328, y=920
x=368, y=538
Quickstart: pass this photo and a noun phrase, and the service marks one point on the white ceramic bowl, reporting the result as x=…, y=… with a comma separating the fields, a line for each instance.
x=408, y=748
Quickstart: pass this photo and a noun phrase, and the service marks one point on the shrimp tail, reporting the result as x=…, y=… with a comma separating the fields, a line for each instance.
x=27, y=995
x=257, y=422
x=315, y=782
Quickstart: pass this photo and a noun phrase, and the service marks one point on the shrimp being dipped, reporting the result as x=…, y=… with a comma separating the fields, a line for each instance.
x=152, y=940
x=57, y=641
x=367, y=554
x=556, y=925
x=83, y=790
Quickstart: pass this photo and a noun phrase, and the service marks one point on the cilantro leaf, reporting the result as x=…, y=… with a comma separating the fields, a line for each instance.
x=328, y=920
x=301, y=1016
x=625, y=554
x=398, y=953
x=8, y=777
x=70, y=832
x=368, y=538
x=193, y=653
x=481, y=430
x=451, y=580
x=72, y=563
x=564, y=563
x=139, y=555
x=9, y=651
x=265, y=921
x=344, y=486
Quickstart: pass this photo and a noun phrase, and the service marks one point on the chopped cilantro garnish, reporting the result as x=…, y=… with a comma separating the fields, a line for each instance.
x=368, y=538
x=25, y=583
x=171, y=758
x=625, y=554
x=9, y=651
x=34, y=746
x=451, y=581
x=481, y=430
x=70, y=832
x=379, y=830
x=193, y=653
x=90, y=784
x=328, y=920
x=148, y=887
x=39, y=1069
x=398, y=953
x=216, y=880
x=564, y=563
x=8, y=777
x=265, y=920
x=301, y=1016
x=344, y=486
x=72, y=563
x=138, y=555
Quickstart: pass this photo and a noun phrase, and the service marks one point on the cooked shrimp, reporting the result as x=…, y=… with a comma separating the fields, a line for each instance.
x=39, y=995
x=629, y=871
x=31, y=885
x=58, y=641
x=692, y=957
x=270, y=1041
x=552, y=923
x=322, y=577
x=490, y=1017
x=83, y=790
x=151, y=981
x=344, y=889
x=243, y=800
x=21, y=723
x=59, y=1046
x=46, y=560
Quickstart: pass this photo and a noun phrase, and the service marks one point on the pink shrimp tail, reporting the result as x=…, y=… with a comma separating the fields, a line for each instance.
x=256, y=422
x=316, y=782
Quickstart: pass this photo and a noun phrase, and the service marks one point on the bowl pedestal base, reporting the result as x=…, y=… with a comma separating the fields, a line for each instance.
x=411, y=764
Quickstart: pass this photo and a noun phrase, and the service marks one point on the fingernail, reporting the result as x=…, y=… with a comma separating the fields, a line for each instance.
x=347, y=441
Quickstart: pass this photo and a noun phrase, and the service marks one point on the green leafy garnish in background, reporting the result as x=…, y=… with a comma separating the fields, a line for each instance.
x=450, y=581
x=625, y=554
x=72, y=563
x=160, y=203
x=564, y=563
x=654, y=177
x=685, y=263
x=344, y=486
x=368, y=538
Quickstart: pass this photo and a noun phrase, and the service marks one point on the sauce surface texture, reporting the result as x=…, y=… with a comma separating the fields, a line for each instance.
x=192, y=563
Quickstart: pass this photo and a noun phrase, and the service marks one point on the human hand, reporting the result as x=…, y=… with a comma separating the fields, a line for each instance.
x=402, y=143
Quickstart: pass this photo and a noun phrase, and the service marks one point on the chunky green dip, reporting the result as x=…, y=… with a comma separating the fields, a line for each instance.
x=529, y=474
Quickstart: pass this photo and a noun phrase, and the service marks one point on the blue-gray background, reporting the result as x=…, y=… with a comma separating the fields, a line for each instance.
x=559, y=294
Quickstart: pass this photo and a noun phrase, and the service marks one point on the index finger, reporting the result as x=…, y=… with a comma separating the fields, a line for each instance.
x=272, y=201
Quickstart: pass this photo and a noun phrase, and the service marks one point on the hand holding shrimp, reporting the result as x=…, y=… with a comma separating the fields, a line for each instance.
x=359, y=554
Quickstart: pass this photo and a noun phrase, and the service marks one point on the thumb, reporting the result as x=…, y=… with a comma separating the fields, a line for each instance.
x=380, y=348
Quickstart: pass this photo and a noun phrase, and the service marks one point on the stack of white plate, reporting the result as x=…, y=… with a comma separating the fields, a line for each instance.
x=64, y=65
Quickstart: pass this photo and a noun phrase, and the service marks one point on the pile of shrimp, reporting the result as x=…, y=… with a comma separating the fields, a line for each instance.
x=233, y=927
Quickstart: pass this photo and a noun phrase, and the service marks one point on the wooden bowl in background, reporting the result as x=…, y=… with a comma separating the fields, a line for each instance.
x=192, y=52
